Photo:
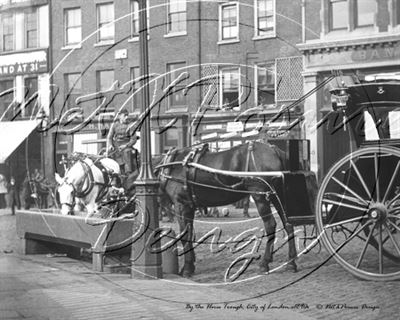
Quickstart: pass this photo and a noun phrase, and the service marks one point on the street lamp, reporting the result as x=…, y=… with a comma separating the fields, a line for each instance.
x=146, y=264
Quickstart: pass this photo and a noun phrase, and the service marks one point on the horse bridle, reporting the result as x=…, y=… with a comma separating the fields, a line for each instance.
x=72, y=204
x=80, y=194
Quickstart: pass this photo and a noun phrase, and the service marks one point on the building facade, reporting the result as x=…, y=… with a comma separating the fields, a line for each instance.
x=210, y=64
x=24, y=81
x=353, y=40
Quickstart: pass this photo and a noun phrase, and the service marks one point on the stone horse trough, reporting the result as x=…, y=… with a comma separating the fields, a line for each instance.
x=42, y=233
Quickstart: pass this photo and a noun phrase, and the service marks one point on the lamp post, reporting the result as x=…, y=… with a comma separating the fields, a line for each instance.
x=145, y=264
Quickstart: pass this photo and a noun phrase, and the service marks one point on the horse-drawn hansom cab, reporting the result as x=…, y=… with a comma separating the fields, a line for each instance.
x=360, y=194
x=355, y=208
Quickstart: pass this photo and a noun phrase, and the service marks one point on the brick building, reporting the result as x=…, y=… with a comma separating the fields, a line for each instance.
x=244, y=52
x=353, y=40
x=24, y=83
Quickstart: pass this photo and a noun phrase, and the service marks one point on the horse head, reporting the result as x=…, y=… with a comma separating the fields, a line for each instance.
x=66, y=191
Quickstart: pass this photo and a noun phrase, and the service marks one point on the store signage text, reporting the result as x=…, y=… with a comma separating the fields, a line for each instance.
x=23, y=63
x=378, y=53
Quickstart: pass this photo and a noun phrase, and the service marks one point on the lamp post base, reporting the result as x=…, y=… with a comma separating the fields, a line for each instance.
x=146, y=272
x=145, y=256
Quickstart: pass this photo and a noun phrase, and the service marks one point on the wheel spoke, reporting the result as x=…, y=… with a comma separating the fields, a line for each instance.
x=353, y=236
x=394, y=225
x=332, y=225
x=360, y=178
x=391, y=210
x=365, y=246
x=394, y=199
x=391, y=182
x=380, y=252
x=392, y=239
x=344, y=197
x=345, y=205
x=377, y=189
x=393, y=216
x=349, y=190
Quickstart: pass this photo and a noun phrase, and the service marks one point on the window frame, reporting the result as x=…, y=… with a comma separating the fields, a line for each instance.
x=220, y=22
x=330, y=15
x=221, y=73
x=135, y=36
x=265, y=65
x=33, y=11
x=177, y=88
x=170, y=21
x=98, y=79
x=71, y=94
x=356, y=16
x=7, y=102
x=352, y=18
x=267, y=34
x=100, y=24
x=28, y=95
x=67, y=27
x=136, y=98
x=3, y=35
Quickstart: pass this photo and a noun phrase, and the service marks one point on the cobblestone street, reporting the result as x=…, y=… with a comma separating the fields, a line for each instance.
x=51, y=287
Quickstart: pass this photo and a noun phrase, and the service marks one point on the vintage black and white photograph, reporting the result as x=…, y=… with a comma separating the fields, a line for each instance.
x=199, y=159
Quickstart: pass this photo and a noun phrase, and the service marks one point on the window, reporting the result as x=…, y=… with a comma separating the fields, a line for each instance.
x=229, y=93
x=8, y=32
x=365, y=12
x=171, y=139
x=31, y=95
x=73, y=26
x=339, y=14
x=6, y=99
x=73, y=88
x=264, y=17
x=137, y=95
x=105, y=80
x=176, y=16
x=350, y=14
x=229, y=22
x=80, y=143
x=31, y=28
x=265, y=80
x=176, y=99
x=135, y=18
x=105, y=19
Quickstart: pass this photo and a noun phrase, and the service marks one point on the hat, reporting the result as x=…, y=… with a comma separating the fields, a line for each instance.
x=123, y=111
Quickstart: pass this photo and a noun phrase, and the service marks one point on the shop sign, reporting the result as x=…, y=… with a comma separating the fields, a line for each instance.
x=32, y=62
x=235, y=126
x=378, y=53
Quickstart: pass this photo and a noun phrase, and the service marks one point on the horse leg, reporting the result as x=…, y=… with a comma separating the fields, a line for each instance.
x=264, y=210
x=290, y=233
x=185, y=216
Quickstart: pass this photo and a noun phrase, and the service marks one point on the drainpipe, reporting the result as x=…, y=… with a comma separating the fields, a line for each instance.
x=303, y=21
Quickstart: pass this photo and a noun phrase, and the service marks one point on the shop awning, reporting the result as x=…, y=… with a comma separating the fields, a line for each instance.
x=12, y=134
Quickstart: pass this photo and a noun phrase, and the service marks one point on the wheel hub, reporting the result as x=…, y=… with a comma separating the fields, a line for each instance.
x=378, y=212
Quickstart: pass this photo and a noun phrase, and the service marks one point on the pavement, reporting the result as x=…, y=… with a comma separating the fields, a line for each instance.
x=57, y=287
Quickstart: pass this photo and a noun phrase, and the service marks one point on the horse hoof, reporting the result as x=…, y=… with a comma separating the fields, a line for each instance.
x=291, y=267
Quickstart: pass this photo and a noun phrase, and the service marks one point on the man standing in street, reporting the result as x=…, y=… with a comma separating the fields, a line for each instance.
x=13, y=195
x=120, y=144
x=3, y=191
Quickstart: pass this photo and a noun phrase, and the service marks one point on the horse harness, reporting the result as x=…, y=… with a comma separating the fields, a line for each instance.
x=189, y=182
x=104, y=186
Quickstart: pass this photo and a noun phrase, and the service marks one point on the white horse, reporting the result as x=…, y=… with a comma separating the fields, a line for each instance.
x=86, y=182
